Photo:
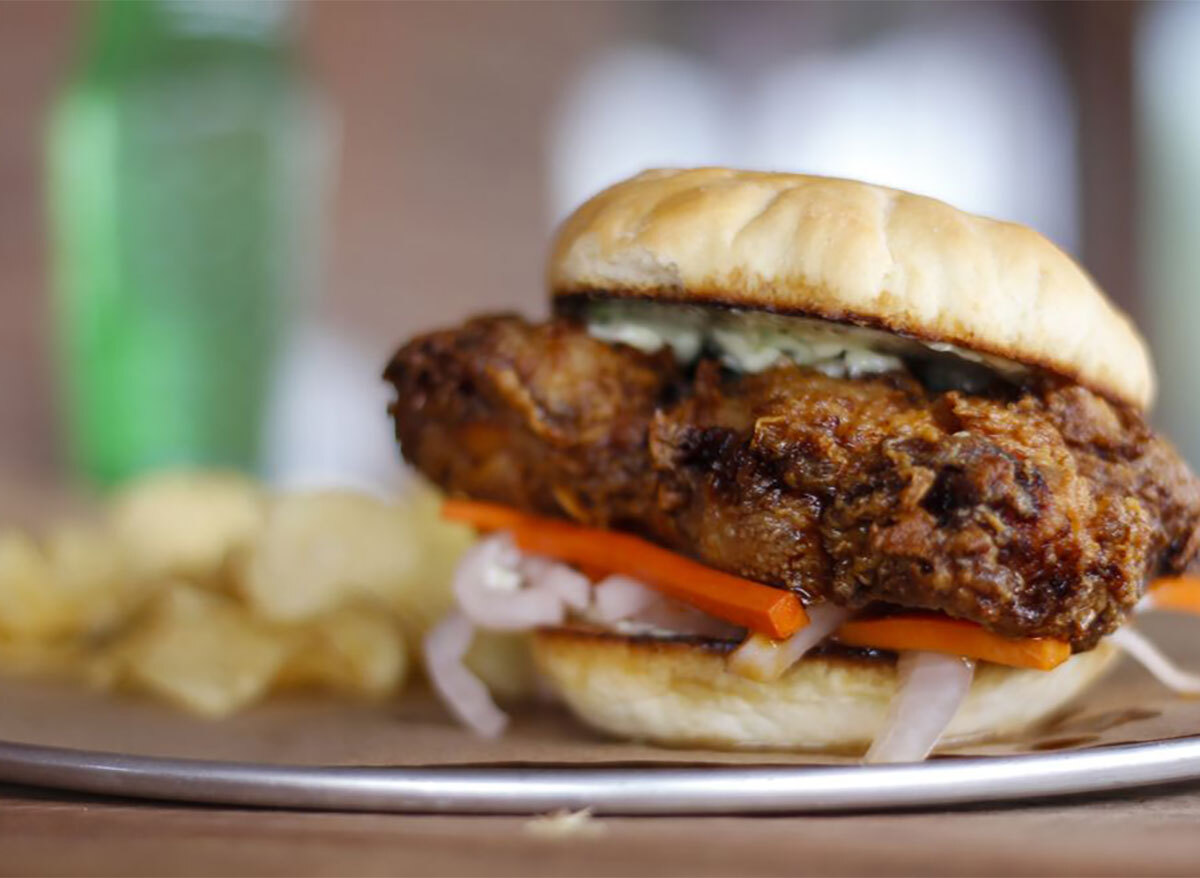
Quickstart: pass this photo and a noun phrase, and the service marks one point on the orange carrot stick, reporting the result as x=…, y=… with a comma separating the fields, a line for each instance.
x=770, y=611
x=483, y=516
x=1180, y=593
x=954, y=637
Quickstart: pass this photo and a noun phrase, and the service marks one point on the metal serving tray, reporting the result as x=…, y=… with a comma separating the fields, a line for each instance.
x=717, y=789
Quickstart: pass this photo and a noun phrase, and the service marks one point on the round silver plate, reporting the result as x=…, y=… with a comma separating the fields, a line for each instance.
x=717, y=789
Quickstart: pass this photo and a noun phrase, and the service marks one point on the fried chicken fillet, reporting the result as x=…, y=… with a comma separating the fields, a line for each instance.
x=1038, y=510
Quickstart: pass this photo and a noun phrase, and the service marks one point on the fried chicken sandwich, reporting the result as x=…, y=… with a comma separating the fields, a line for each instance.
x=799, y=463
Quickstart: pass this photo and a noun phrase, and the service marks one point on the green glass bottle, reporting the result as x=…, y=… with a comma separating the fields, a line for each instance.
x=186, y=158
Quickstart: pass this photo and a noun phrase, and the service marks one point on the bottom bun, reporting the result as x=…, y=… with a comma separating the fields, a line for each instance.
x=678, y=693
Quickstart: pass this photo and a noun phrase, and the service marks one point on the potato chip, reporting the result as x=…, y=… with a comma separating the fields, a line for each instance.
x=200, y=651
x=91, y=578
x=353, y=650
x=30, y=604
x=185, y=524
x=76, y=584
x=322, y=549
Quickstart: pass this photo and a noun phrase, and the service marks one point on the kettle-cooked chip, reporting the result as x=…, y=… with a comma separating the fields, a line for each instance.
x=30, y=604
x=91, y=578
x=202, y=652
x=353, y=650
x=184, y=523
x=322, y=549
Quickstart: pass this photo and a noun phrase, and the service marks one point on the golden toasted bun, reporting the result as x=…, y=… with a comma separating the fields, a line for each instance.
x=852, y=252
x=679, y=694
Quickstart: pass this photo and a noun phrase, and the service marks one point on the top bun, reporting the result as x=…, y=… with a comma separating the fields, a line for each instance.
x=855, y=253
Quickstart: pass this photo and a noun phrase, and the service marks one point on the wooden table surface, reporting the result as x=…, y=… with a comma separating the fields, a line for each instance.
x=1150, y=832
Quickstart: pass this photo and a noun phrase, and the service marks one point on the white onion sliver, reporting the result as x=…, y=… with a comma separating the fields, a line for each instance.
x=571, y=587
x=763, y=659
x=466, y=696
x=501, y=609
x=1138, y=647
x=618, y=597
x=930, y=689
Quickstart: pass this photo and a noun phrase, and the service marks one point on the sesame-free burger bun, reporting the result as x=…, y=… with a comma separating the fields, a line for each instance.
x=679, y=693
x=852, y=252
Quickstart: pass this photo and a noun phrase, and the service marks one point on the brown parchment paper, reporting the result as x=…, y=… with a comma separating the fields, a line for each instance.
x=1128, y=706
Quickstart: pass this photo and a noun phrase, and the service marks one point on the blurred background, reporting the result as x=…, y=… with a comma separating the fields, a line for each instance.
x=219, y=218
